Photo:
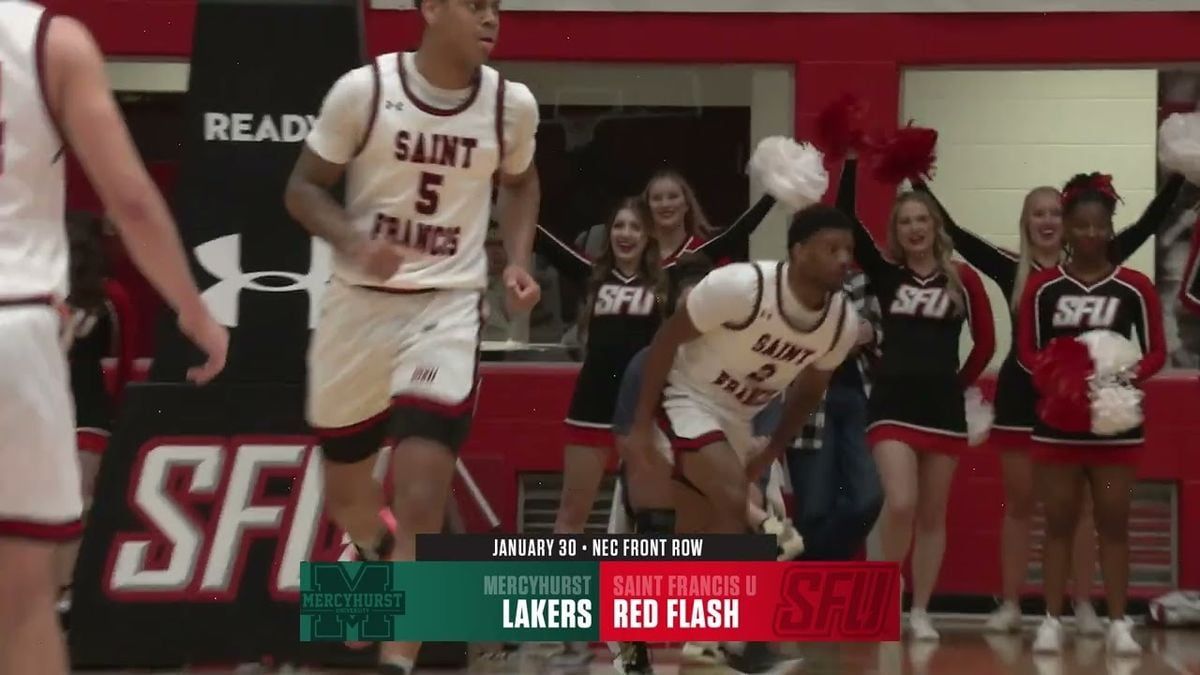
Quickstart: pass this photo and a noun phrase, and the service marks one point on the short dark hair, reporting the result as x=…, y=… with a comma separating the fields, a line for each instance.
x=810, y=220
x=1093, y=187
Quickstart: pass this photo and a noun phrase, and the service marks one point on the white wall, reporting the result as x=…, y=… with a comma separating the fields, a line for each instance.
x=1004, y=132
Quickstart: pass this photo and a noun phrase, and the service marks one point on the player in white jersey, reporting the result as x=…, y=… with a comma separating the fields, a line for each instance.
x=54, y=93
x=747, y=332
x=420, y=137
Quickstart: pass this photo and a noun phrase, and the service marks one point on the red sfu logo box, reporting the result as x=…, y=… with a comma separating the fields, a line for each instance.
x=749, y=601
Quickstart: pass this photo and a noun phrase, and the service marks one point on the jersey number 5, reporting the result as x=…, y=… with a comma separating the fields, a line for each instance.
x=428, y=193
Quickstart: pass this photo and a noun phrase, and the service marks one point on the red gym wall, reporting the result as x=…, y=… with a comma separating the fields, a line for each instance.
x=830, y=53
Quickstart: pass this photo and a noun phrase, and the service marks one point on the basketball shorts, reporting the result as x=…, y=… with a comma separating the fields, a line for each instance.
x=688, y=422
x=390, y=366
x=39, y=472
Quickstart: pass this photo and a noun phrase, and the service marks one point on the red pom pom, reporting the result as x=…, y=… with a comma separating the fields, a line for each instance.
x=1061, y=373
x=908, y=154
x=840, y=127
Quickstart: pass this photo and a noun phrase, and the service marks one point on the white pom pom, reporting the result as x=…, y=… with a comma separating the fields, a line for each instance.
x=1112, y=353
x=1179, y=145
x=794, y=173
x=1116, y=408
x=979, y=416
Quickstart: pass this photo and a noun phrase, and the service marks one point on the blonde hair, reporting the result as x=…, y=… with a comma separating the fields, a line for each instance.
x=1025, y=256
x=694, y=221
x=943, y=246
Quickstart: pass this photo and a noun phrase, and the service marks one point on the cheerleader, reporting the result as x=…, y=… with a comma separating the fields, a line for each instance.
x=917, y=420
x=680, y=225
x=1041, y=234
x=99, y=322
x=1088, y=292
x=626, y=296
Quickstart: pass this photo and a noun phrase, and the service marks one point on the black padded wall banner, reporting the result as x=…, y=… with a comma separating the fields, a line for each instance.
x=259, y=71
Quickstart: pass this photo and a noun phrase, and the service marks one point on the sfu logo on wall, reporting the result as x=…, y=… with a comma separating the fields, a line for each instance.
x=221, y=258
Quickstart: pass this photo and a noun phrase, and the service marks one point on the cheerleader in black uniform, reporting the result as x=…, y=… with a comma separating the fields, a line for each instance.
x=619, y=323
x=1041, y=234
x=1085, y=293
x=916, y=409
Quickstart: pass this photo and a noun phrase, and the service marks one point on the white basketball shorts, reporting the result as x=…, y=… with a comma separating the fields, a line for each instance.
x=689, y=422
x=40, y=494
x=374, y=352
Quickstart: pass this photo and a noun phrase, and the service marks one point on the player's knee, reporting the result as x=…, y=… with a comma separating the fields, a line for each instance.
x=1113, y=529
x=901, y=508
x=1019, y=506
x=731, y=497
x=931, y=518
x=1061, y=522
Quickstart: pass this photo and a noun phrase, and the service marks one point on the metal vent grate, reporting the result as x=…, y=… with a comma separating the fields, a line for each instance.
x=1153, y=529
x=539, y=497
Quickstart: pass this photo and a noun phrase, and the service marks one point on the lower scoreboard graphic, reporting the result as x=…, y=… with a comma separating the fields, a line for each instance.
x=554, y=600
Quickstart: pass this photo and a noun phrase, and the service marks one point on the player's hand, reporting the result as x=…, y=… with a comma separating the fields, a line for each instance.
x=760, y=464
x=522, y=291
x=211, y=337
x=378, y=258
x=866, y=334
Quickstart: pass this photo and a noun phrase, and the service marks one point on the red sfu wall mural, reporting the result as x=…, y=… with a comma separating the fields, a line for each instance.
x=830, y=53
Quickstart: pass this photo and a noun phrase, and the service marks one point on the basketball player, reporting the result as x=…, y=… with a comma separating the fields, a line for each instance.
x=745, y=333
x=55, y=93
x=420, y=137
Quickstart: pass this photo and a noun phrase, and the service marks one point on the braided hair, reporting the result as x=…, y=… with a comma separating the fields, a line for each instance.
x=1092, y=187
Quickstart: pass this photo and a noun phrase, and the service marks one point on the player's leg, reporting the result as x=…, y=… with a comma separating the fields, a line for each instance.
x=433, y=387
x=349, y=406
x=1111, y=487
x=1083, y=568
x=717, y=472
x=583, y=470
x=935, y=475
x=40, y=504
x=90, y=446
x=1060, y=487
x=1016, y=469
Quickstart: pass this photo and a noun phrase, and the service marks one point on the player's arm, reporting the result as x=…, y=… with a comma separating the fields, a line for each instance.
x=333, y=142
x=1027, y=346
x=520, y=194
x=80, y=99
x=726, y=295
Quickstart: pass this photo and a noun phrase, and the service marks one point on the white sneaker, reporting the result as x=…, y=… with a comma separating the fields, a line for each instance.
x=921, y=627
x=788, y=540
x=1120, y=640
x=1006, y=619
x=1049, y=638
x=1087, y=622
x=702, y=654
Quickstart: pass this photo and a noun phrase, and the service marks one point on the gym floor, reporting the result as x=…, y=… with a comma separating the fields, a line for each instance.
x=963, y=650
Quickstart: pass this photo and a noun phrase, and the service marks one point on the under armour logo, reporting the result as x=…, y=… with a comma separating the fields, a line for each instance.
x=221, y=258
x=393, y=105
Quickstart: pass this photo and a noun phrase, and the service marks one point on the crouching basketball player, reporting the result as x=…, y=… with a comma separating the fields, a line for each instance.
x=419, y=137
x=745, y=333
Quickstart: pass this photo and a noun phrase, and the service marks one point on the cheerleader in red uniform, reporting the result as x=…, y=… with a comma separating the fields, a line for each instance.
x=100, y=323
x=916, y=410
x=1088, y=292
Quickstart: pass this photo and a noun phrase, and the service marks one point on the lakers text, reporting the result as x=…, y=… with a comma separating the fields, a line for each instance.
x=542, y=601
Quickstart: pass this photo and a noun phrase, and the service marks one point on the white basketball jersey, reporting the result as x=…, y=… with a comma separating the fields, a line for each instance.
x=739, y=368
x=33, y=240
x=424, y=179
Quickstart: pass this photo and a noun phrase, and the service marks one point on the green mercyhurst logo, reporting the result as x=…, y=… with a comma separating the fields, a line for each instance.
x=353, y=601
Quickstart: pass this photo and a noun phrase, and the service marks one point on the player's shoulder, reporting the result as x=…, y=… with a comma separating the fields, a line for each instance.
x=360, y=79
x=747, y=274
x=1134, y=278
x=518, y=97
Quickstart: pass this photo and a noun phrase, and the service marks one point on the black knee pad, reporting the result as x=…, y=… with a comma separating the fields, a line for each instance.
x=354, y=446
x=450, y=430
x=655, y=521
